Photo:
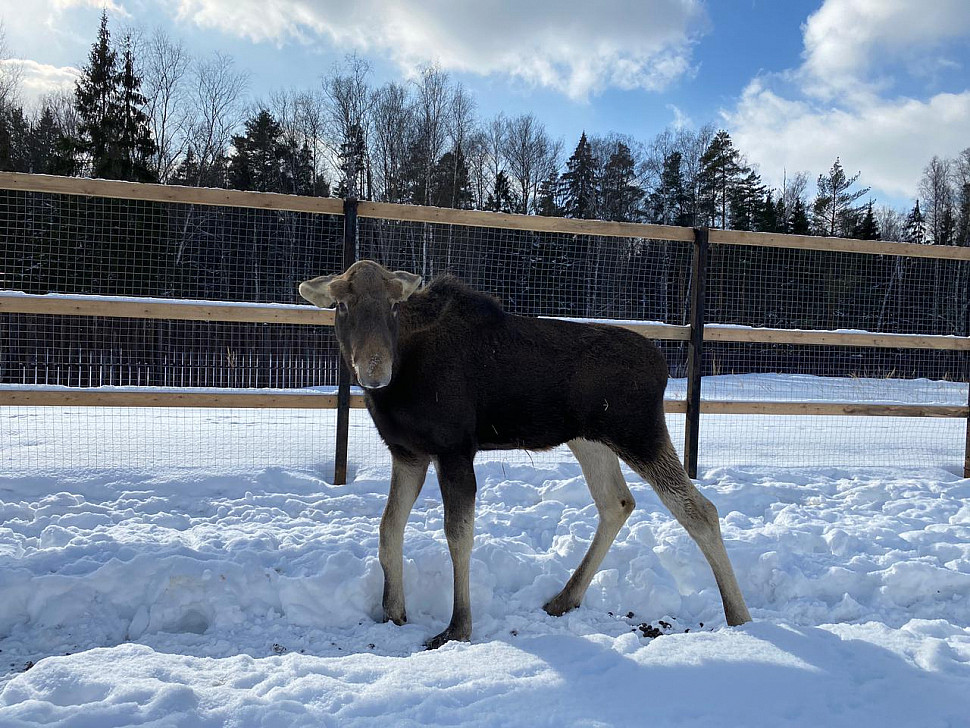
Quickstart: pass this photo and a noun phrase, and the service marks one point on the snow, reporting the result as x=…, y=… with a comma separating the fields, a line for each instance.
x=146, y=593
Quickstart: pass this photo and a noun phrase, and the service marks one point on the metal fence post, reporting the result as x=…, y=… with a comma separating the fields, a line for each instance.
x=695, y=349
x=343, y=376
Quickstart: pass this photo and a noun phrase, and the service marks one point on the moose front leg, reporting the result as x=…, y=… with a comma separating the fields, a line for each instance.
x=407, y=476
x=456, y=474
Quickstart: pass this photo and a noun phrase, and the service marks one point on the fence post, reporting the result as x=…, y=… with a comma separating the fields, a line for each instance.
x=966, y=378
x=695, y=349
x=343, y=373
x=966, y=452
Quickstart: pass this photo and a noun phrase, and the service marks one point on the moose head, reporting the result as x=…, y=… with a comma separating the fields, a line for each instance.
x=367, y=297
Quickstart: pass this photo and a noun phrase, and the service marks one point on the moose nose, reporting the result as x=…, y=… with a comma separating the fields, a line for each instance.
x=373, y=373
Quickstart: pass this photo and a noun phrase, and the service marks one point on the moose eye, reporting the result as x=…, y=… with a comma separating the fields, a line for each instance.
x=341, y=307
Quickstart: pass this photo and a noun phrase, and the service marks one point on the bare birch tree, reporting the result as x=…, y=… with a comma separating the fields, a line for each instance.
x=531, y=155
x=216, y=98
x=392, y=121
x=10, y=73
x=349, y=97
x=433, y=98
x=165, y=74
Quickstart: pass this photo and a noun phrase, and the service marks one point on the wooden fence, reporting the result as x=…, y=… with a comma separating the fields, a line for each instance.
x=695, y=334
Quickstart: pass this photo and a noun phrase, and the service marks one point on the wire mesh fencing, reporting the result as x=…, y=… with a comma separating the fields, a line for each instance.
x=71, y=244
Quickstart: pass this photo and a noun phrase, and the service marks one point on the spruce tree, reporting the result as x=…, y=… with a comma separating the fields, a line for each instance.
x=259, y=159
x=15, y=136
x=915, y=226
x=767, y=220
x=745, y=199
x=867, y=227
x=621, y=195
x=95, y=95
x=501, y=198
x=114, y=140
x=581, y=183
x=962, y=234
x=134, y=145
x=48, y=146
x=667, y=204
x=450, y=181
x=548, y=202
x=798, y=223
x=720, y=168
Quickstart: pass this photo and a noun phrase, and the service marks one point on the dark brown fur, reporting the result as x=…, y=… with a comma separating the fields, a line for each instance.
x=447, y=373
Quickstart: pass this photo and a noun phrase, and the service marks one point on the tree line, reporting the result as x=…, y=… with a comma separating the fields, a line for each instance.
x=143, y=109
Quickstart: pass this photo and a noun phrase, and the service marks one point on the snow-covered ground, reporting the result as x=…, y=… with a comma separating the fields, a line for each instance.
x=143, y=592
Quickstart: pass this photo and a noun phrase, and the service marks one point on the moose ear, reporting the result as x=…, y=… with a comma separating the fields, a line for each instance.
x=318, y=291
x=407, y=283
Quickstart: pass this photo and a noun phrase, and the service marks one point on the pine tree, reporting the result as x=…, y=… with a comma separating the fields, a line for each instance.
x=581, y=183
x=834, y=213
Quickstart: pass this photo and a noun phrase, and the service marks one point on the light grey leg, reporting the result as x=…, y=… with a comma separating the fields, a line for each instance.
x=615, y=503
x=407, y=477
x=456, y=474
x=699, y=517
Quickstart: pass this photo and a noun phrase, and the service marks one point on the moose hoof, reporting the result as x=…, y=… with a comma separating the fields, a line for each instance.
x=559, y=605
x=447, y=636
x=398, y=617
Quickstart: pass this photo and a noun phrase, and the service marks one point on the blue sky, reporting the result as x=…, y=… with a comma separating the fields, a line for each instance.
x=882, y=83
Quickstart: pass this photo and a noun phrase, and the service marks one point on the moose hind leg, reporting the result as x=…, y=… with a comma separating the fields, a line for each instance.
x=407, y=477
x=699, y=518
x=614, y=502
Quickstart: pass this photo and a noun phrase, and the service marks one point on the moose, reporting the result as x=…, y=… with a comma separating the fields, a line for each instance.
x=447, y=372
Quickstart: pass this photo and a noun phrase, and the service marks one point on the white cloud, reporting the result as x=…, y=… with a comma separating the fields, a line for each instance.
x=38, y=80
x=109, y=5
x=840, y=101
x=847, y=40
x=890, y=141
x=576, y=47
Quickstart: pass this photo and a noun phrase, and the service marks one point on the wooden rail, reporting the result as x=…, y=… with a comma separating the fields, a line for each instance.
x=447, y=216
x=531, y=223
x=154, y=398
x=838, y=245
x=22, y=397
x=305, y=315
x=168, y=193
x=157, y=308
